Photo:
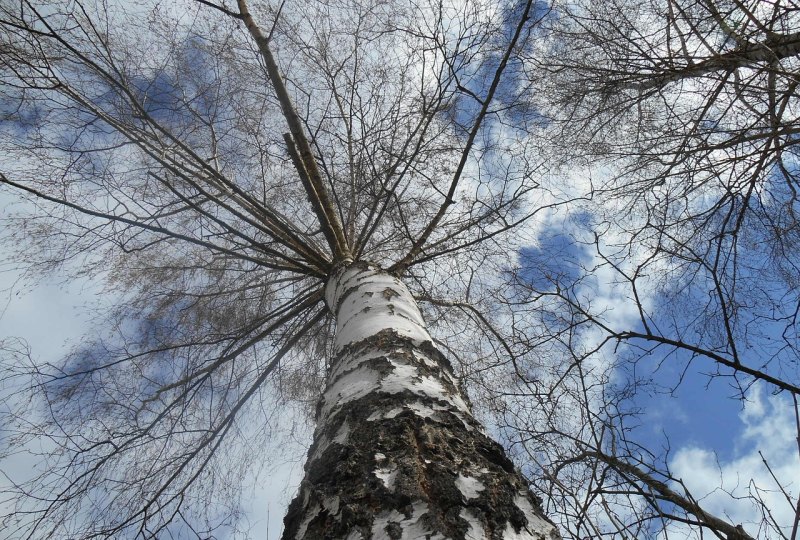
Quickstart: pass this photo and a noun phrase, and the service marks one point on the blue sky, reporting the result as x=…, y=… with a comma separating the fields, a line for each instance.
x=714, y=437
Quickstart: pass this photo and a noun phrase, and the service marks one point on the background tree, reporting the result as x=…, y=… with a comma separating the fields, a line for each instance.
x=678, y=119
x=692, y=105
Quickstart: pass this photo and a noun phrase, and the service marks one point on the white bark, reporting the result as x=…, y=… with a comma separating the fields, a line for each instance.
x=397, y=453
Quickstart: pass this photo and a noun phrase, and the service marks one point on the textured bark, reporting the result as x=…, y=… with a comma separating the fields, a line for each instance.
x=397, y=453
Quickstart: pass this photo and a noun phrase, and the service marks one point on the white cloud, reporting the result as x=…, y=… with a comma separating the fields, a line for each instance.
x=736, y=489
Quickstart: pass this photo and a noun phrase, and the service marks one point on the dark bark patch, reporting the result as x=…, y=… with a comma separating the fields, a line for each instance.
x=389, y=293
x=426, y=455
x=394, y=530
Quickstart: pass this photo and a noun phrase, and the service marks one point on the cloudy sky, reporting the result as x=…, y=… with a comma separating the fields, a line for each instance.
x=718, y=443
x=53, y=316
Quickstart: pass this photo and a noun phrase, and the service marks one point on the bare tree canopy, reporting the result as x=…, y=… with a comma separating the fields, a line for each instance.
x=577, y=194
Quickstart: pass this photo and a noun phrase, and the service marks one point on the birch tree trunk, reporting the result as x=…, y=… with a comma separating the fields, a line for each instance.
x=396, y=451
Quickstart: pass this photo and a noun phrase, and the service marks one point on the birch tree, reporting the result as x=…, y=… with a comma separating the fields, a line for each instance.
x=266, y=189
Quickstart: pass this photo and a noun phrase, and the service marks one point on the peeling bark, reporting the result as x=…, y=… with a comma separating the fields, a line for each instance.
x=396, y=452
